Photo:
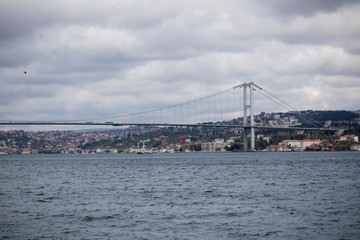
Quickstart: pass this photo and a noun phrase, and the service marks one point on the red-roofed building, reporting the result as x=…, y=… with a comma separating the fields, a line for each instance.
x=274, y=148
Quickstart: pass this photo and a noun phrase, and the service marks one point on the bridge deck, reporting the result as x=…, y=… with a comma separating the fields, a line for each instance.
x=212, y=125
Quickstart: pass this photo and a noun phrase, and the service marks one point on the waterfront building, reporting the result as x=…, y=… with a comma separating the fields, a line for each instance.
x=349, y=137
x=274, y=148
x=213, y=147
x=300, y=144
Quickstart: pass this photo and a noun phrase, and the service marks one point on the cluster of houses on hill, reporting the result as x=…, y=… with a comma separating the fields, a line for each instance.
x=161, y=140
x=68, y=142
x=301, y=145
x=219, y=145
x=293, y=145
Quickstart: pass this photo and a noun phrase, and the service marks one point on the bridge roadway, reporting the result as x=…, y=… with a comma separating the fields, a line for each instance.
x=210, y=125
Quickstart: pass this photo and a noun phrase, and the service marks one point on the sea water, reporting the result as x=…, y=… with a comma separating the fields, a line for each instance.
x=295, y=195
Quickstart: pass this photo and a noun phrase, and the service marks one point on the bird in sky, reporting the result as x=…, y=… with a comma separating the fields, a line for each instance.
x=25, y=72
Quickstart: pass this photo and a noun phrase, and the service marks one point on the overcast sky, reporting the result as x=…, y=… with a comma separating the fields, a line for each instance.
x=88, y=59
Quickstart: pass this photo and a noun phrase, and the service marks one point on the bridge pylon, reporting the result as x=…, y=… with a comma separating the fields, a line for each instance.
x=247, y=107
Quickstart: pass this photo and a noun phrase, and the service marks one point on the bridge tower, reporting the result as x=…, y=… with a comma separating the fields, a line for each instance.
x=245, y=118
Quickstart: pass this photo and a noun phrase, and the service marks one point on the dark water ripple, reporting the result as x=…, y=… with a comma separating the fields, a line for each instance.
x=181, y=196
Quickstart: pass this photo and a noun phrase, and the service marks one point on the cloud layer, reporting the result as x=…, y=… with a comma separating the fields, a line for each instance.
x=85, y=60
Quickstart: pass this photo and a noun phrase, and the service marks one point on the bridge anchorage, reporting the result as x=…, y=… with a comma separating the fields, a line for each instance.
x=201, y=112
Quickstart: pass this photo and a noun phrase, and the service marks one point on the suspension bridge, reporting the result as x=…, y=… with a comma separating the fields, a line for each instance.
x=221, y=109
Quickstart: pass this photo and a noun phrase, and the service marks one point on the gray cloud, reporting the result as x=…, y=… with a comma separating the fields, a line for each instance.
x=305, y=7
x=85, y=60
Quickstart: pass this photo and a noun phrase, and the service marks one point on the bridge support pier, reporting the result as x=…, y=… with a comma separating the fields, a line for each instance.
x=245, y=117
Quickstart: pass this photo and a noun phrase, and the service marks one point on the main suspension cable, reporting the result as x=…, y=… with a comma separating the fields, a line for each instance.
x=311, y=121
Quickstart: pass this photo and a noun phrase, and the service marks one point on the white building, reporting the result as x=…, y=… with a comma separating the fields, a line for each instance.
x=300, y=144
x=213, y=147
x=349, y=137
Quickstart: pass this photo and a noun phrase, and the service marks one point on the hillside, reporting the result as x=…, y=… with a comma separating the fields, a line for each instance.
x=15, y=142
x=340, y=115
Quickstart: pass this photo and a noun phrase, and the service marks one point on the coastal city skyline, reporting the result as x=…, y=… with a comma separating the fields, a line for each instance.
x=281, y=132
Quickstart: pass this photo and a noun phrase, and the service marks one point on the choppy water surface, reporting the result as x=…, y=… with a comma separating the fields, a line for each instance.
x=181, y=196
